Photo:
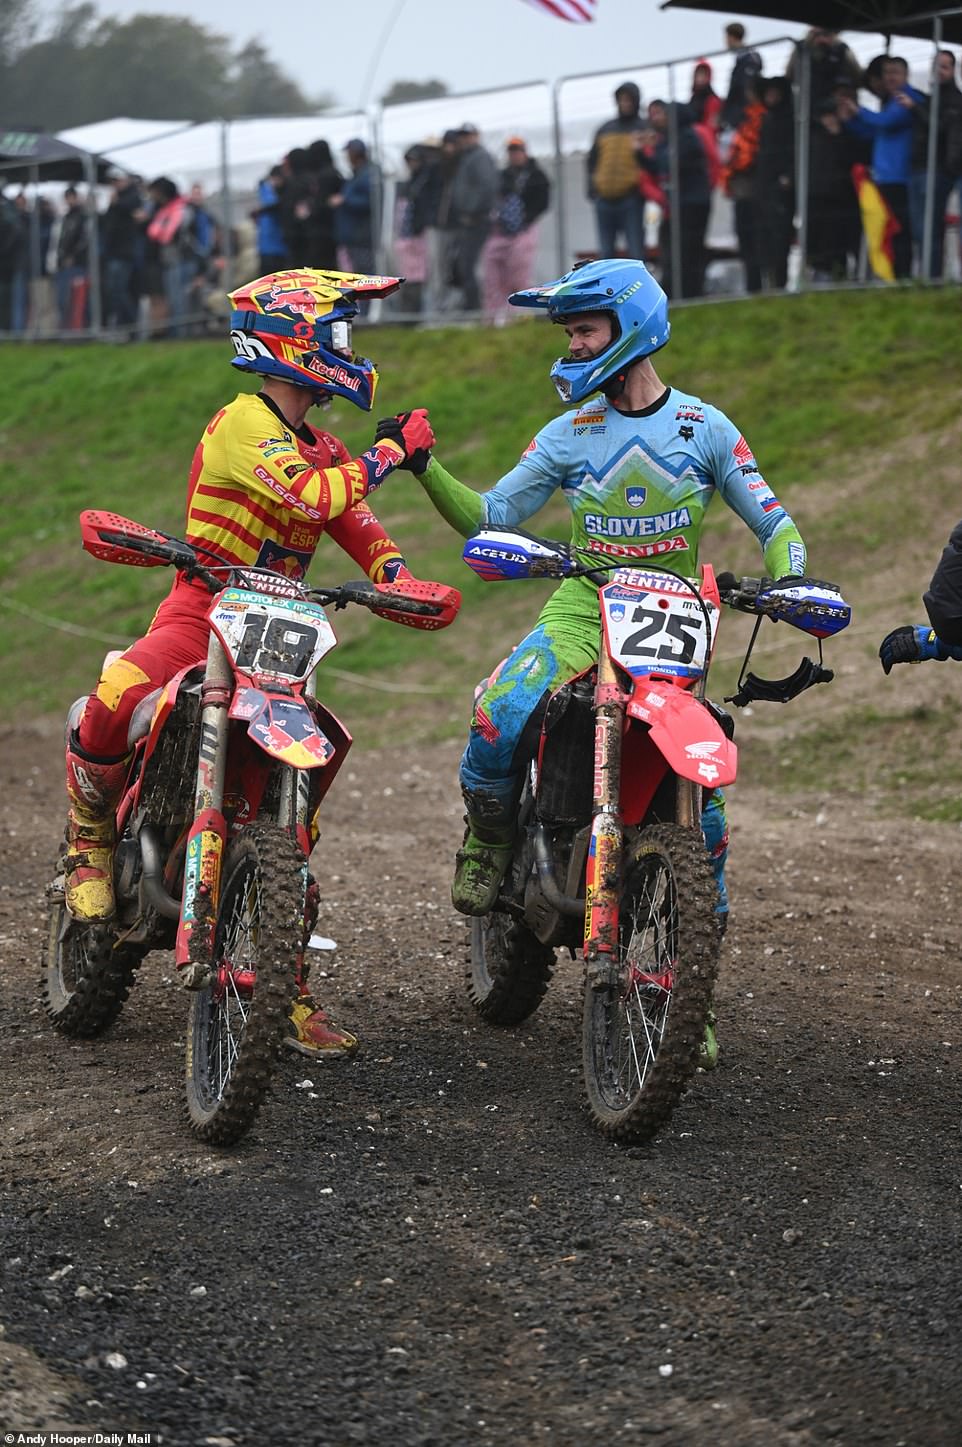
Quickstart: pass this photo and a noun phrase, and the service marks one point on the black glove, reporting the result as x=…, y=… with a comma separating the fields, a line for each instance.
x=909, y=644
x=398, y=429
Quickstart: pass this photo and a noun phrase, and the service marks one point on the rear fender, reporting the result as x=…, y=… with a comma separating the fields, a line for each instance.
x=685, y=733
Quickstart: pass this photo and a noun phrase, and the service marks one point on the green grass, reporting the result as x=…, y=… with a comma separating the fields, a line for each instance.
x=825, y=387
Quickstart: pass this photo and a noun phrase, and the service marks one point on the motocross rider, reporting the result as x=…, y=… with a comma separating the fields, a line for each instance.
x=263, y=487
x=914, y=643
x=637, y=465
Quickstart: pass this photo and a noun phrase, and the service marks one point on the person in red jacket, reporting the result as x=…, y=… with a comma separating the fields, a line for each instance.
x=264, y=487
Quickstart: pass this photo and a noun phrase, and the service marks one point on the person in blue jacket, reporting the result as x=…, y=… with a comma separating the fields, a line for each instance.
x=272, y=252
x=890, y=131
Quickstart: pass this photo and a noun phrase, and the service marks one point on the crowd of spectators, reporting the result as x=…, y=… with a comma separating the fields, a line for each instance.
x=464, y=225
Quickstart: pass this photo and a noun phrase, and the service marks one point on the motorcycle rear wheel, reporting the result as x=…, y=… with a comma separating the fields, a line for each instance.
x=509, y=969
x=237, y=1022
x=85, y=980
x=644, y=1018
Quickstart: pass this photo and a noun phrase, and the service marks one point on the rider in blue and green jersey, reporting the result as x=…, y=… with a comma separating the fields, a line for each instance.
x=638, y=463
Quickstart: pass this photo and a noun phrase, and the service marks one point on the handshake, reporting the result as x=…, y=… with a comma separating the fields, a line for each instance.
x=412, y=432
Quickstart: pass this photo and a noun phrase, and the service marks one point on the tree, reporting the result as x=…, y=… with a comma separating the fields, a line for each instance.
x=154, y=66
x=407, y=90
x=260, y=88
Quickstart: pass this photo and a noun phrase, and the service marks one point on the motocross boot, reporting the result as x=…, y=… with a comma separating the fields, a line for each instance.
x=93, y=788
x=312, y=1032
x=482, y=861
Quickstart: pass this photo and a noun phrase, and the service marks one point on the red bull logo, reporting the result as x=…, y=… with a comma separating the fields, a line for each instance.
x=295, y=298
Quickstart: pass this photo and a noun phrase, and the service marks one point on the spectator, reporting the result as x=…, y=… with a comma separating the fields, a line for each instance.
x=448, y=162
x=297, y=202
x=705, y=106
x=508, y=256
x=474, y=190
x=834, y=219
x=20, y=283
x=871, y=79
x=832, y=64
x=9, y=245
x=890, y=130
x=122, y=248
x=327, y=183
x=745, y=72
x=775, y=181
x=171, y=230
x=357, y=212
x=948, y=160
x=614, y=176
x=272, y=251
x=415, y=222
x=72, y=280
x=689, y=210
x=738, y=181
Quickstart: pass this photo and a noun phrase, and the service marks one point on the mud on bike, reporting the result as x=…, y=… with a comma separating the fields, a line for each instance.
x=230, y=763
x=609, y=859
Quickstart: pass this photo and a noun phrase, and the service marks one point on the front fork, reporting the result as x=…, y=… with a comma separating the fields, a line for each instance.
x=603, y=867
x=194, y=948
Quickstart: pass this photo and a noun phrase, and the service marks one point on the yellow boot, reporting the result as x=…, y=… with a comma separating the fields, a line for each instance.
x=93, y=788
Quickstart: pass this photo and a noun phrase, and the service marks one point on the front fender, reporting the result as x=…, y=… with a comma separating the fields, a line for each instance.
x=283, y=727
x=685, y=733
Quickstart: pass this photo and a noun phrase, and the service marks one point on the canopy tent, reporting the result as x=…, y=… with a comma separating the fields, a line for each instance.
x=32, y=155
x=882, y=17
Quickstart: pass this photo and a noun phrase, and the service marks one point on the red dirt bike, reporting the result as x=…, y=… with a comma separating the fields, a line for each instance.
x=231, y=761
x=609, y=856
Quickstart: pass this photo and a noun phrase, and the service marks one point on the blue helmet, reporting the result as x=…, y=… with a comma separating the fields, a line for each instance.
x=638, y=308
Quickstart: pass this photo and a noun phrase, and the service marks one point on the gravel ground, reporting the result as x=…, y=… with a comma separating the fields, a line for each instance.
x=430, y=1244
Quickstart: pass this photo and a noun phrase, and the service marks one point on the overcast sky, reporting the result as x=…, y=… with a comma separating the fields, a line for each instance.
x=356, y=52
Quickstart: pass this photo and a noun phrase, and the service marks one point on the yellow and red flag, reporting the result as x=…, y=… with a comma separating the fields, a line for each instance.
x=878, y=223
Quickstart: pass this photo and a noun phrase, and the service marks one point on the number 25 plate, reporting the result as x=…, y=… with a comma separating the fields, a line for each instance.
x=658, y=623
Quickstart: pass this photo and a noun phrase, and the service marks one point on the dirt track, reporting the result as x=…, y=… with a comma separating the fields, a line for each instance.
x=430, y=1244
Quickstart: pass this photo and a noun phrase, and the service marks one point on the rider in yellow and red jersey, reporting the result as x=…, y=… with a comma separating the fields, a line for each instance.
x=264, y=486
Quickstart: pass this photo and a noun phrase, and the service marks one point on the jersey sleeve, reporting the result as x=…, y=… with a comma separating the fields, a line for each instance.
x=363, y=538
x=302, y=476
x=745, y=490
x=541, y=470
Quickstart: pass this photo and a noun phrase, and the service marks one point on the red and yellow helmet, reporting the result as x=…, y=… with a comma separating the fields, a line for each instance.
x=296, y=325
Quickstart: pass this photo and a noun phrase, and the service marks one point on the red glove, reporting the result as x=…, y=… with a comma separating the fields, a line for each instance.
x=416, y=432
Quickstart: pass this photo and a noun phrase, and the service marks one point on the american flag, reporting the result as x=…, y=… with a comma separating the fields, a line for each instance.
x=578, y=11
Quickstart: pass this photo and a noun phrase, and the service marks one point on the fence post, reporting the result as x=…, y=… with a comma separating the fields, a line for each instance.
x=674, y=214
x=560, y=186
x=803, y=135
x=931, y=158
x=227, y=213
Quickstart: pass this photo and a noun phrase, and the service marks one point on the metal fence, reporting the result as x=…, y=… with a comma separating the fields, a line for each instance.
x=557, y=120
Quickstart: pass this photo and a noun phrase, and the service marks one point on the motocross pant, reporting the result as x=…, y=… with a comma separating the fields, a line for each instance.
x=563, y=643
x=176, y=638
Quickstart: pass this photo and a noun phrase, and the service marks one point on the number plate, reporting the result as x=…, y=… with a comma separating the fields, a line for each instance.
x=276, y=637
x=657, y=623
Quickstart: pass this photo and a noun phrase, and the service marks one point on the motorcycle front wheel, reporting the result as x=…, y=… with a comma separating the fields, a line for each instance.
x=238, y=1020
x=645, y=1009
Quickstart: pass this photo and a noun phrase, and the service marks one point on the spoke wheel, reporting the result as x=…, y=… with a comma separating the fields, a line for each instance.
x=508, y=969
x=645, y=1012
x=85, y=979
x=237, y=1022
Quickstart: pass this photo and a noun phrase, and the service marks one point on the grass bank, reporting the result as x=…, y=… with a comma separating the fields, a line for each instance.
x=850, y=402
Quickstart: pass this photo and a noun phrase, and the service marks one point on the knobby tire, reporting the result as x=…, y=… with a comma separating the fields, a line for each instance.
x=640, y=1042
x=233, y=1041
x=509, y=969
x=85, y=980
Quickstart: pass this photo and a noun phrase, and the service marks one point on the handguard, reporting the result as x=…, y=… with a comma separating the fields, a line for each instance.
x=418, y=604
x=752, y=689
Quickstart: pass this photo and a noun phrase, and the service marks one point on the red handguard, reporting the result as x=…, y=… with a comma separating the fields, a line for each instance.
x=94, y=523
x=417, y=604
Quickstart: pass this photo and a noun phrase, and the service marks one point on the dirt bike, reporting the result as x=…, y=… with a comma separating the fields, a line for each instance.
x=609, y=856
x=231, y=761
